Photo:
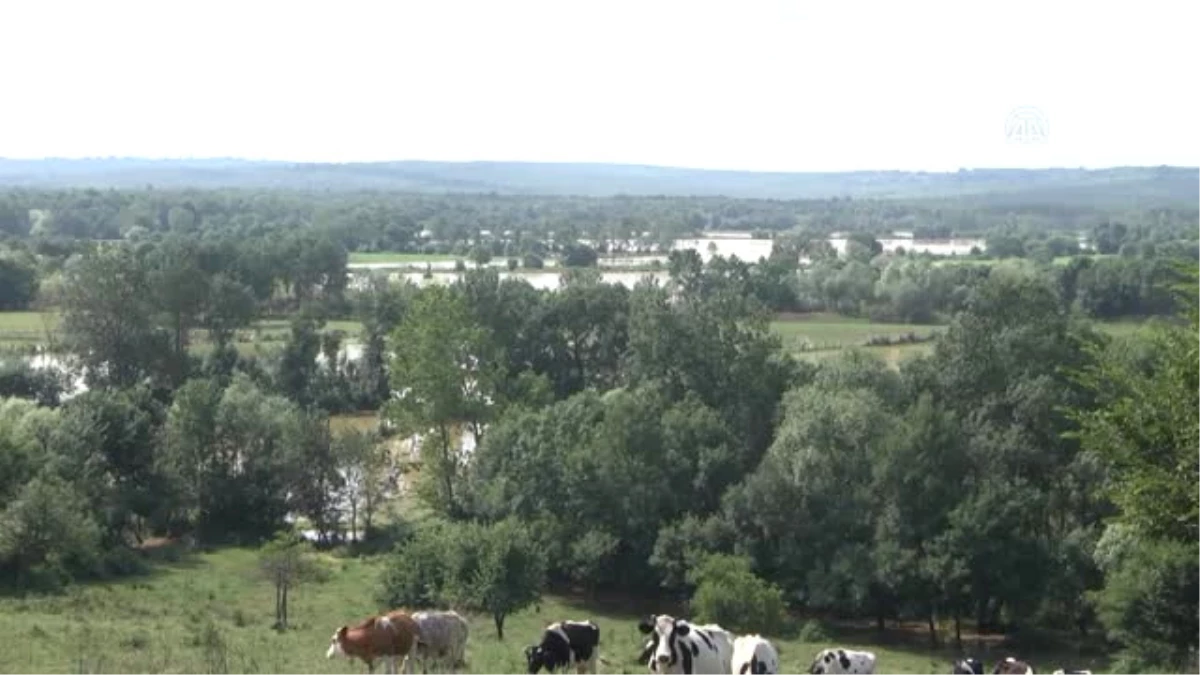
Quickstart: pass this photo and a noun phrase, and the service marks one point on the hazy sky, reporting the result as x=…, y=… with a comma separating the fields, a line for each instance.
x=741, y=84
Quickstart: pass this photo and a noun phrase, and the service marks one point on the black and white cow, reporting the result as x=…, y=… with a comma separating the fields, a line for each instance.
x=968, y=666
x=679, y=647
x=1011, y=666
x=565, y=643
x=843, y=661
x=754, y=655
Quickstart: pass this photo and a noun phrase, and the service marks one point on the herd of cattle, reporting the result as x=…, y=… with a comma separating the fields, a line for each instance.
x=672, y=646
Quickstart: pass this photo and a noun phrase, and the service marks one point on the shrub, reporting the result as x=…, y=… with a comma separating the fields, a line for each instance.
x=729, y=593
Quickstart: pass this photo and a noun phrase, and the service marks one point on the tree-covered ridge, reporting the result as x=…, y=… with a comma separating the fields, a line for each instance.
x=1153, y=184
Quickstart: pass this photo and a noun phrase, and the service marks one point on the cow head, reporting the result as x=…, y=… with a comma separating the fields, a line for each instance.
x=666, y=631
x=830, y=661
x=537, y=658
x=335, y=643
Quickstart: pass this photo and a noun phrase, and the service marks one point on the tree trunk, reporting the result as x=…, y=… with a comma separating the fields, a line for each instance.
x=368, y=511
x=447, y=469
x=958, y=626
x=284, y=623
x=499, y=619
x=933, y=634
x=354, y=520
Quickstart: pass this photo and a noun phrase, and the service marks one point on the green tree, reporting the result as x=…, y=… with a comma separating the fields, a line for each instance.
x=225, y=451
x=287, y=562
x=364, y=464
x=497, y=570
x=108, y=307
x=1145, y=427
x=47, y=536
x=442, y=365
x=1149, y=605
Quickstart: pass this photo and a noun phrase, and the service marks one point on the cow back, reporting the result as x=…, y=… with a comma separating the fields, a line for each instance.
x=441, y=630
x=398, y=634
x=754, y=655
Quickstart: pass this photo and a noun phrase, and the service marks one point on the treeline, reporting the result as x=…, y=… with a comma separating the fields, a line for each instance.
x=390, y=221
x=919, y=289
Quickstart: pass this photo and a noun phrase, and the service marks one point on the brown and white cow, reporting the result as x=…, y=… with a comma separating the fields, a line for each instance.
x=389, y=637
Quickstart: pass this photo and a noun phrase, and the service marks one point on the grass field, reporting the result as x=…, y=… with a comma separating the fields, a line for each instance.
x=389, y=257
x=209, y=613
x=822, y=336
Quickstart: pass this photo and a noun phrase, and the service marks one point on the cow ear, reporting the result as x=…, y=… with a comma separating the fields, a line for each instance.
x=682, y=629
x=646, y=624
x=341, y=632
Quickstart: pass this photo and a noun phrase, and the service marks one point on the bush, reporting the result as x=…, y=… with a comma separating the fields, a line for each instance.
x=416, y=574
x=47, y=537
x=814, y=632
x=729, y=593
x=533, y=262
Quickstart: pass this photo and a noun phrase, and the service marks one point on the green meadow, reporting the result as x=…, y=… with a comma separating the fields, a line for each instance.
x=211, y=612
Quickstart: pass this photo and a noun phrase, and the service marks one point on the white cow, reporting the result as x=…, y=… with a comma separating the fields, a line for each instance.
x=843, y=661
x=442, y=639
x=754, y=655
x=679, y=647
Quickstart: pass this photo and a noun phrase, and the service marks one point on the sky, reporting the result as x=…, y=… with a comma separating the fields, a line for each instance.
x=762, y=85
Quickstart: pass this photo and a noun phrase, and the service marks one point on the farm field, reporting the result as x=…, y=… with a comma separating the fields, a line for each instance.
x=210, y=612
x=821, y=336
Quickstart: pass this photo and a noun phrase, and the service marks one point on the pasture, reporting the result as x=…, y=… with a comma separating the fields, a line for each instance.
x=210, y=612
x=820, y=336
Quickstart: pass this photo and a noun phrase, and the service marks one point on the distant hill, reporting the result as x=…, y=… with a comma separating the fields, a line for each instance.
x=1145, y=186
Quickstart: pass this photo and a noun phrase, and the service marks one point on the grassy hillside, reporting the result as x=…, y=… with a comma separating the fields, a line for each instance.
x=210, y=613
x=1145, y=186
